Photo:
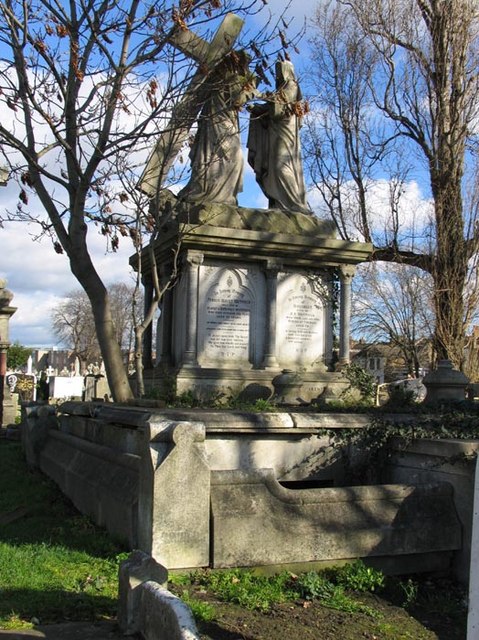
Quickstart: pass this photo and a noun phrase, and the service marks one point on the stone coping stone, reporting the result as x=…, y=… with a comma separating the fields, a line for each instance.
x=222, y=420
x=108, y=412
x=446, y=447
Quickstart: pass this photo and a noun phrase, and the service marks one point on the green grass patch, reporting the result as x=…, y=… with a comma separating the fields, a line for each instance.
x=54, y=563
x=316, y=586
x=258, y=592
x=202, y=611
x=246, y=588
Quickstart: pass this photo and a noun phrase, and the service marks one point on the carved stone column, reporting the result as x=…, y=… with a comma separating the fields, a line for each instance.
x=346, y=275
x=193, y=261
x=270, y=361
x=148, y=333
x=166, y=322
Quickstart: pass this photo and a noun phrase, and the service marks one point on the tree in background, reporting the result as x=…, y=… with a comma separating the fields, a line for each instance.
x=74, y=324
x=17, y=356
x=86, y=83
x=398, y=98
x=393, y=305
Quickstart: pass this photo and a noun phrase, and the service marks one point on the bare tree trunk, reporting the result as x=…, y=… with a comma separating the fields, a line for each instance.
x=83, y=269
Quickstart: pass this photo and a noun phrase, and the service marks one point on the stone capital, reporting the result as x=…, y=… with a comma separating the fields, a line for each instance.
x=272, y=267
x=194, y=258
x=347, y=272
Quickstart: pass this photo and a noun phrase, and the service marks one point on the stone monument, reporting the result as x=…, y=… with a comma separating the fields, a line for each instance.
x=259, y=290
x=6, y=312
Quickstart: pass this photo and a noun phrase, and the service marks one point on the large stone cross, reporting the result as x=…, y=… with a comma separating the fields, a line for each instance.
x=186, y=111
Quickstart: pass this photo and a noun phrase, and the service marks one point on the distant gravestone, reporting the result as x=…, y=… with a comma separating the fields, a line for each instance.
x=96, y=388
x=65, y=387
x=22, y=384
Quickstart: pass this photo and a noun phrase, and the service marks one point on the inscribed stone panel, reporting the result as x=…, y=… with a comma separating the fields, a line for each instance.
x=301, y=322
x=228, y=322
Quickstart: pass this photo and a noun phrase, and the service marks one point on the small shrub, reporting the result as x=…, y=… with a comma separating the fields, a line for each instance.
x=361, y=380
x=410, y=591
x=262, y=404
x=401, y=397
x=192, y=400
x=358, y=577
x=313, y=585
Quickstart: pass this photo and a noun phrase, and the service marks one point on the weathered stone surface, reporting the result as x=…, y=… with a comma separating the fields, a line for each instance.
x=432, y=460
x=137, y=569
x=303, y=320
x=165, y=616
x=254, y=296
x=173, y=510
x=271, y=220
x=293, y=457
x=231, y=316
x=147, y=607
x=159, y=497
x=445, y=384
x=118, y=437
x=109, y=413
x=100, y=482
x=10, y=406
x=473, y=609
x=278, y=525
x=37, y=420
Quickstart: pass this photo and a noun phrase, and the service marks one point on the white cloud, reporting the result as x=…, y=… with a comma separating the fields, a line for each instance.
x=39, y=277
x=414, y=210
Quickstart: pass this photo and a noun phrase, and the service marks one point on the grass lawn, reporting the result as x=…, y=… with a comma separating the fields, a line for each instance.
x=54, y=564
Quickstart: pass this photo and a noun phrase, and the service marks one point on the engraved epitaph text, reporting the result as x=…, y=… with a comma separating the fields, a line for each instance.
x=301, y=322
x=227, y=322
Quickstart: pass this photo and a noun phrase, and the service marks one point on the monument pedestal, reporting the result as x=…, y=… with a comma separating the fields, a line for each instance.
x=257, y=293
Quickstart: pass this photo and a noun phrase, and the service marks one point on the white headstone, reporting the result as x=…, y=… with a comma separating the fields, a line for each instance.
x=65, y=387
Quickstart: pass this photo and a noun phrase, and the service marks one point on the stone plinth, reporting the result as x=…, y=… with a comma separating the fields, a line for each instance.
x=445, y=384
x=256, y=294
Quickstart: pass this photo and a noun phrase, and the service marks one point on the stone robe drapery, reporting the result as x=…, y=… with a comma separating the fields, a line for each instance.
x=274, y=150
x=216, y=155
